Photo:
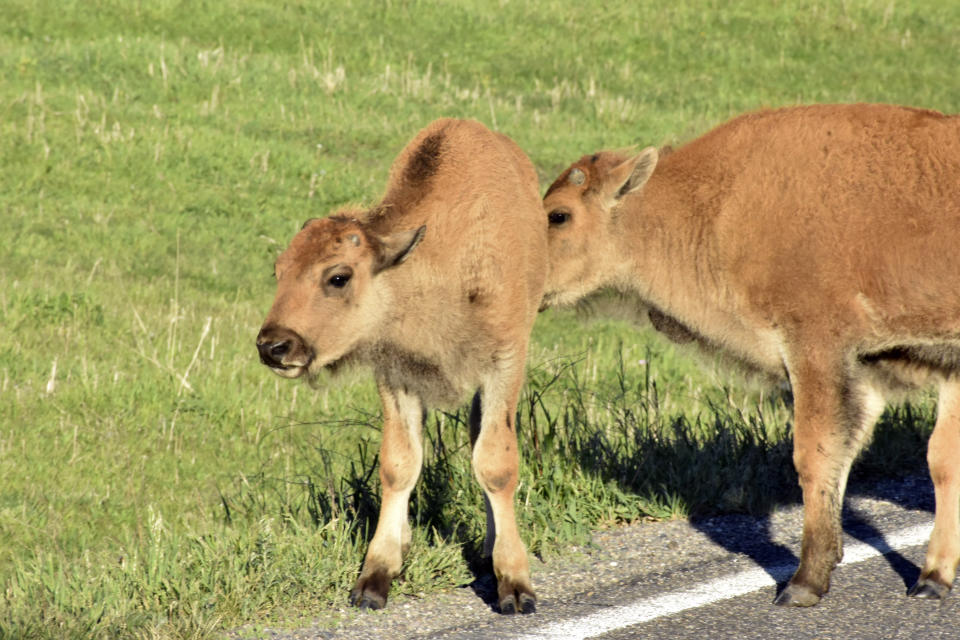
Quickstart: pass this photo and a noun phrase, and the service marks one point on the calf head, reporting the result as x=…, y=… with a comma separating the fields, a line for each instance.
x=330, y=296
x=583, y=207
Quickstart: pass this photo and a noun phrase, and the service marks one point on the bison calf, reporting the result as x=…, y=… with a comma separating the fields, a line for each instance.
x=816, y=244
x=437, y=288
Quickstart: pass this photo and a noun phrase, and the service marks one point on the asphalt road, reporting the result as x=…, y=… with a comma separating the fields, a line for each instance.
x=667, y=562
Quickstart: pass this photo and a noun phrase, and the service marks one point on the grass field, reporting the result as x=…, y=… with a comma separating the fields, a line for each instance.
x=156, y=481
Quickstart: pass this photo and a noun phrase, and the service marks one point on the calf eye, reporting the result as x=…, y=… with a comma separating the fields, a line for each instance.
x=339, y=281
x=558, y=217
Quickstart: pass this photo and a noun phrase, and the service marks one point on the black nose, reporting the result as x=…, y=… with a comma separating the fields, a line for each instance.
x=271, y=353
x=276, y=343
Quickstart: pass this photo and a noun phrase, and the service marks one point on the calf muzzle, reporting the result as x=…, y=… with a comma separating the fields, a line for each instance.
x=282, y=349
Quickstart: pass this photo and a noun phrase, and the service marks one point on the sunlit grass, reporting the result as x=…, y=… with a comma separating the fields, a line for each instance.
x=156, y=480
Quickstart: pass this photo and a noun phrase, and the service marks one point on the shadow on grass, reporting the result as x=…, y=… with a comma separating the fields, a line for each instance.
x=436, y=506
x=726, y=461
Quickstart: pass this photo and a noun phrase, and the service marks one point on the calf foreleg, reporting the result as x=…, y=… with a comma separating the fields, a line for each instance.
x=833, y=418
x=401, y=456
x=943, y=457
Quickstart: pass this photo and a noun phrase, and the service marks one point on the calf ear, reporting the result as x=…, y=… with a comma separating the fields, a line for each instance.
x=395, y=248
x=632, y=174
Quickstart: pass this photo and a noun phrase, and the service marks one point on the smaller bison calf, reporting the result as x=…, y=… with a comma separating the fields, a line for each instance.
x=437, y=288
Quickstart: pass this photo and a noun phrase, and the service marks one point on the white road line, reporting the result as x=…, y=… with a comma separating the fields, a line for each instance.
x=715, y=590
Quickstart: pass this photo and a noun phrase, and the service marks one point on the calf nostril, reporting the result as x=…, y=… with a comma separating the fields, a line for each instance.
x=272, y=353
x=279, y=349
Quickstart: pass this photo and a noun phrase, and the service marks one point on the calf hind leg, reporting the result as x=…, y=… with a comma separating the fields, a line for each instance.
x=491, y=535
x=943, y=457
x=496, y=463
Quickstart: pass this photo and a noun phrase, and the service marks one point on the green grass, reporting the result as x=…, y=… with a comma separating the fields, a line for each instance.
x=155, y=480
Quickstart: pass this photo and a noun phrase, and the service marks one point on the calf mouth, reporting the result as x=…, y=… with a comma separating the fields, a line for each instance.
x=289, y=366
x=310, y=366
x=288, y=370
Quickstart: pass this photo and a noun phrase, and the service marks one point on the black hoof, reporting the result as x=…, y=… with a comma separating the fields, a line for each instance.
x=366, y=602
x=796, y=596
x=528, y=604
x=929, y=590
x=370, y=592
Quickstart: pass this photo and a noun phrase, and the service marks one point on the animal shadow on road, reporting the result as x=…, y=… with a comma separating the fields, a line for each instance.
x=736, y=484
x=753, y=536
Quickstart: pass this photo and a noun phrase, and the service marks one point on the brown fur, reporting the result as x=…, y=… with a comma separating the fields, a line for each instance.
x=436, y=287
x=813, y=243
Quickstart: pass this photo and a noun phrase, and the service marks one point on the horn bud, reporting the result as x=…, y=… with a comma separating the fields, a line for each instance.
x=577, y=176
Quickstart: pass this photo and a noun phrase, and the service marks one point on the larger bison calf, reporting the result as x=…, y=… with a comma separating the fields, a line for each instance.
x=437, y=288
x=814, y=243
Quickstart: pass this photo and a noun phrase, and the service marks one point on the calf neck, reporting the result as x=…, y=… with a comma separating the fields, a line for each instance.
x=816, y=244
